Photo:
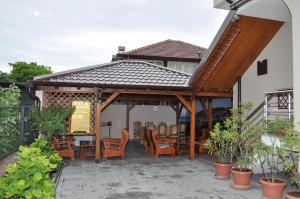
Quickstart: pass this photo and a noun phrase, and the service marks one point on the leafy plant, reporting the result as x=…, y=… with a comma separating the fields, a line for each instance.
x=51, y=120
x=29, y=177
x=220, y=142
x=268, y=150
x=289, y=154
x=47, y=151
x=245, y=139
x=9, y=119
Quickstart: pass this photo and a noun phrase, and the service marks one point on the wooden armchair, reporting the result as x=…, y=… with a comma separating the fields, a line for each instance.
x=64, y=146
x=163, y=146
x=115, y=147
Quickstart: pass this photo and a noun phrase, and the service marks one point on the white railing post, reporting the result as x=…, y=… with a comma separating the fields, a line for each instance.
x=289, y=105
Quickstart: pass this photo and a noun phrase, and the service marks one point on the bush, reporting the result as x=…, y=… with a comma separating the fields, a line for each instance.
x=29, y=177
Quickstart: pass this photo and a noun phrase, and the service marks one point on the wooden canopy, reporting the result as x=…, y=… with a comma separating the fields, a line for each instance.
x=236, y=46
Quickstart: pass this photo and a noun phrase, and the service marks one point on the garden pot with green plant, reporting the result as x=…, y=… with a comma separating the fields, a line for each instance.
x=247, y=134
x=289, y=154
x=219, y=144
x=268, y=154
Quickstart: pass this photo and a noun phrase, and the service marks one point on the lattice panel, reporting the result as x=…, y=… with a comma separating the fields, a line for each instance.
x=283, y=101
x=65, y=99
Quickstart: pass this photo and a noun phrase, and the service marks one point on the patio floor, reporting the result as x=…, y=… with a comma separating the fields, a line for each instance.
x=142, y=176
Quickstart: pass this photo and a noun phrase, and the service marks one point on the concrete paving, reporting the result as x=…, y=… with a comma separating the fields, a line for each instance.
x=143, y=176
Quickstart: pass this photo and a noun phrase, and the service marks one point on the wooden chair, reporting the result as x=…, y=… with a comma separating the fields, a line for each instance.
x=150, y=141
x=64, y=146
x=163, y=146
x=162, y=130
x=203, y=137
x=115, y=147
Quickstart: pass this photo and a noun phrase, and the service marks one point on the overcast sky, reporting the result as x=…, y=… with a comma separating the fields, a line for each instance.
x=65, y=34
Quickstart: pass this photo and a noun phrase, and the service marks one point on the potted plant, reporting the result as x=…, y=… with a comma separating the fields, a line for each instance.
x=219, y=144
x=289, y=153
x=268, y=149
x=244, y=141
x=51, y=120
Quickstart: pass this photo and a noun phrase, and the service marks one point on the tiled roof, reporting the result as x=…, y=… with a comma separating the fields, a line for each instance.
x=169, y=48
x=121, y=73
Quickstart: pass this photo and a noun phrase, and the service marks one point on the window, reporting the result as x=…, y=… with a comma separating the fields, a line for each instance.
x=262, y=67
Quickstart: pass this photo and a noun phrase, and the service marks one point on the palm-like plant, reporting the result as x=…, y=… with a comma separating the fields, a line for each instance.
x=51, y=120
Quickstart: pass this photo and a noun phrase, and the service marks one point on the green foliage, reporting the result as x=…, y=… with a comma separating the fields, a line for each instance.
x=9, y=119
x=29, y=177
x=268, y=153
x=4, y=76
x=51, y=120
x=245, y=137
x=47, y=151
x=220, y=142
x=22, y=71
x=289, y=154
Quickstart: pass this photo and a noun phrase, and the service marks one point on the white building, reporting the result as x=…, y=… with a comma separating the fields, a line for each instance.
x=255, y=52
x=174, y=54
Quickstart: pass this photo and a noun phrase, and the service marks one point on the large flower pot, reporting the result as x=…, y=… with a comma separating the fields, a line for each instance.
x=293, y=195
x=222, y=171
x=241, y=179
x=272, y=190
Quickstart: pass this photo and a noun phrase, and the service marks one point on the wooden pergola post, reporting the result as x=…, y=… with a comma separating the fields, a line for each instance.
x=99, y=108
x=98, y=132
x=192, y=109
x=192, y=127
x=210, y=114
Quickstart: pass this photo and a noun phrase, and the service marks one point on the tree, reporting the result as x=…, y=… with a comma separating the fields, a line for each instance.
x=22, y=71
x=4, y=76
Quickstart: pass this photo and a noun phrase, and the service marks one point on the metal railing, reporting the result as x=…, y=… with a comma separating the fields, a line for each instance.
x=276, y=104
x=279, y=104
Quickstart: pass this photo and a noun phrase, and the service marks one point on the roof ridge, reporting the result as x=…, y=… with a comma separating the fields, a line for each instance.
x=65, y=72
x=161, y=67
x=147, y=46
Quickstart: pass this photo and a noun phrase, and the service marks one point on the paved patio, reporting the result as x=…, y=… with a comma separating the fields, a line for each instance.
x=142, y=176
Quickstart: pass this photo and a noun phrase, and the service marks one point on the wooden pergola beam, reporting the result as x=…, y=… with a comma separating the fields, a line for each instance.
x=172, y=105
x=187, y=105
x=109, y=100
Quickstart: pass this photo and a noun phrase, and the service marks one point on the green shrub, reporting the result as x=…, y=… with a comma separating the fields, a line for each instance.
x=29, y=177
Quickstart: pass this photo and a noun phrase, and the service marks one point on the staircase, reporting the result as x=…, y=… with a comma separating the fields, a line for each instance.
x=278, y=104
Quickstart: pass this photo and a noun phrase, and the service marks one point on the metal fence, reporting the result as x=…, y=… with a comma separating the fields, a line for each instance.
x=15, y=128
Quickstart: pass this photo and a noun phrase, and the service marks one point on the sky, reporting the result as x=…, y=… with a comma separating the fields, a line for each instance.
x=66, y=34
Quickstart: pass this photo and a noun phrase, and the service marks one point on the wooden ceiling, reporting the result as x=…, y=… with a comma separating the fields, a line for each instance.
x=242, y=41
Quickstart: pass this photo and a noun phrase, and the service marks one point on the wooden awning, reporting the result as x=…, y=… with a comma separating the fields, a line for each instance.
x=236, y=47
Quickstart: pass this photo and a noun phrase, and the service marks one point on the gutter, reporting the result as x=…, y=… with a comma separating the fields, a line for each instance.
x=236, y=5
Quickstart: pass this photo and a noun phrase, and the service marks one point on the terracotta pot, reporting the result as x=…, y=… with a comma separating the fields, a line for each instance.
x=293, y=195
x=272, y=190
x=222, y=171
x=241, y=179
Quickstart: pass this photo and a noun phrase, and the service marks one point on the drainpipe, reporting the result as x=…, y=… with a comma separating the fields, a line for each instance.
x=239, y=92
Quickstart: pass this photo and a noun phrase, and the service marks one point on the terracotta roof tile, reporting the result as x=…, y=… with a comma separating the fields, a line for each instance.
x=169, y=48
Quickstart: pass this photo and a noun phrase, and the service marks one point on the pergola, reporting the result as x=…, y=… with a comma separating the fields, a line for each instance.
x=133, y=81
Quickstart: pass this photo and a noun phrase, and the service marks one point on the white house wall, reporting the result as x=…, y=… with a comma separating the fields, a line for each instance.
x=117, y=114
x=279, y=54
